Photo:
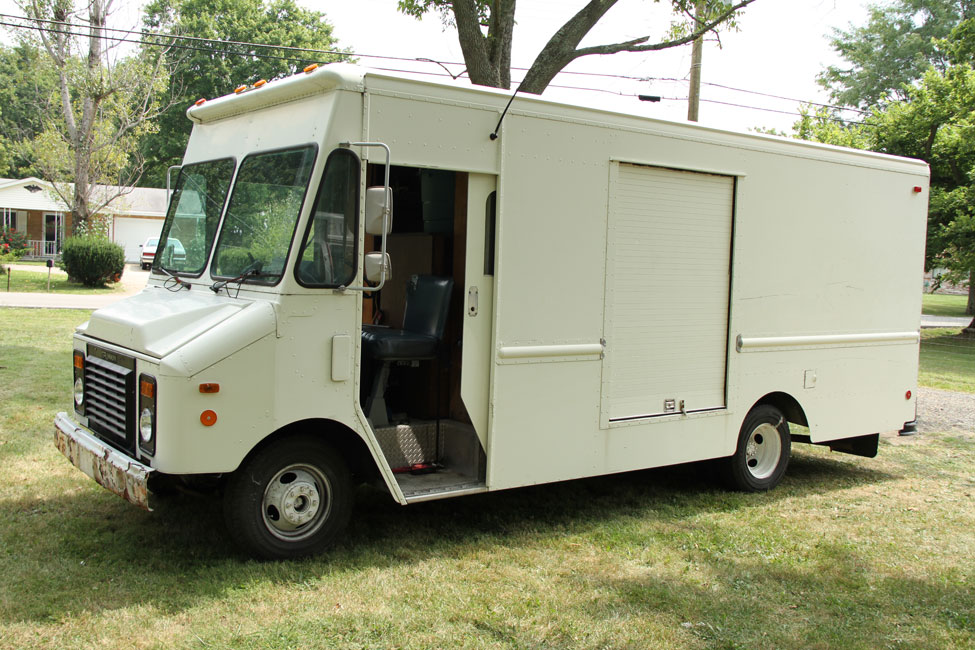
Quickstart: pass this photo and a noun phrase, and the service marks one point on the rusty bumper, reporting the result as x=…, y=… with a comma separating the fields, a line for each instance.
x=109, y=467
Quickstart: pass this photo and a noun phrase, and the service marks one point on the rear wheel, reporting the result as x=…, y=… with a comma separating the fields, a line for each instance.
x=293, y=498
x=762, y=456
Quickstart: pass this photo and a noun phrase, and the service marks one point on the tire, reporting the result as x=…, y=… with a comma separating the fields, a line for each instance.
x=292, y=499
x=762, y=456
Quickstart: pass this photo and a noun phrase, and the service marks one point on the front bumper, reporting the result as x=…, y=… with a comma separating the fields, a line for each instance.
x=110, y=468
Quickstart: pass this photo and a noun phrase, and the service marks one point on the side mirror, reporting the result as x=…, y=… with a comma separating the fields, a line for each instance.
x=378, y=198
x=377, y=264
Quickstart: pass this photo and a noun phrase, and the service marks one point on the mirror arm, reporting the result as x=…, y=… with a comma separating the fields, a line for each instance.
x=386, y=216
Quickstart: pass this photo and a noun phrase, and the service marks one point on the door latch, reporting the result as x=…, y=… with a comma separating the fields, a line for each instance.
x=472, y=301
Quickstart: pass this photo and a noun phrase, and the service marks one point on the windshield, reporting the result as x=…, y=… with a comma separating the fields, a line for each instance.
x=194, y=213
x=262, y=214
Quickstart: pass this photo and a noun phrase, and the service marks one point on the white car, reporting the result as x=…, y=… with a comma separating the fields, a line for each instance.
x=149, y=251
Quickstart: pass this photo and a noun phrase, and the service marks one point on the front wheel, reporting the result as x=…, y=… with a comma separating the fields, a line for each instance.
x=293, y=498
x=764, y=445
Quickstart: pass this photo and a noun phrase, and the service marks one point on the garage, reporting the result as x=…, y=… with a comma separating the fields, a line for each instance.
x=132, y=232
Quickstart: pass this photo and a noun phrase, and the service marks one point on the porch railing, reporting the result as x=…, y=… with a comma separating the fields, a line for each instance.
x=42, y=248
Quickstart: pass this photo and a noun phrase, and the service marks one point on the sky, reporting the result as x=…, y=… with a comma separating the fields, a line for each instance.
x=780, y=47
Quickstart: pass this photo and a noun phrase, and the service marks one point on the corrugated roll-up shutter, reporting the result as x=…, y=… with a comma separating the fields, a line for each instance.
x=668, y=286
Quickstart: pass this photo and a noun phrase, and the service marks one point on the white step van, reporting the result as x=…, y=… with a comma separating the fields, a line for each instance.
x=392, y=280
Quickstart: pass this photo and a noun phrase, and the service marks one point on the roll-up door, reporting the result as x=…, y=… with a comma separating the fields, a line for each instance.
x=667, y=291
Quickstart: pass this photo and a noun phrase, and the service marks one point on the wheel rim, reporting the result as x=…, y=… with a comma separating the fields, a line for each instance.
x=296, y=503
x=762, y=451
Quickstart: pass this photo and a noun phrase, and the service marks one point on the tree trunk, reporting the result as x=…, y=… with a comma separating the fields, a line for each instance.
x=970, y=309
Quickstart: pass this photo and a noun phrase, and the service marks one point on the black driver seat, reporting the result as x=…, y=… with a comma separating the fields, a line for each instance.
x=424, y=318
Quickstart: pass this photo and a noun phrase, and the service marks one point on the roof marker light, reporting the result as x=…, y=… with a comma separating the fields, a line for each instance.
x=311, y=68
x=240, y=89
x=200, y=101
x=258, y=84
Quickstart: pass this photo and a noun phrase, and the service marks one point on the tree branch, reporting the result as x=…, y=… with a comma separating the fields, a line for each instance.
x=561, y=48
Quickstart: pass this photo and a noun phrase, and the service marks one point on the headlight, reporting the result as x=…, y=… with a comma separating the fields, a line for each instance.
x=147, y=414
x=145, y=425
x=79, y=381
x=79, y=391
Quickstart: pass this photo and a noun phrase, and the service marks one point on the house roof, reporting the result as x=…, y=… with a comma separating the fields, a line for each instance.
x=36, y=194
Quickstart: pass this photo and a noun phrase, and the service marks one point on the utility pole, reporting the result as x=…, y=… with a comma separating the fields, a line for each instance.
x=694, y=95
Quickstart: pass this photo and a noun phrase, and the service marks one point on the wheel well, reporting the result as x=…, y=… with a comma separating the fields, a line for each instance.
x=788, y=405
x=343, y=439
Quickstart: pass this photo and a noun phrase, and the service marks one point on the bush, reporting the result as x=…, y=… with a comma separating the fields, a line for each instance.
x=92, y=261
x=13, y=242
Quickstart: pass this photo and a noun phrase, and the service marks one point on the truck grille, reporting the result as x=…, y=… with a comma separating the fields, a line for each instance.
x=110, y=396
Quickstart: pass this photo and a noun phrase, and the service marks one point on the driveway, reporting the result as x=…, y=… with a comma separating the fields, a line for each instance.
x=133, y=281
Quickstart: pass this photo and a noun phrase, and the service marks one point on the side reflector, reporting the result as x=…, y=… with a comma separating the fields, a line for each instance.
x=918, y=189
x=311, y=68
x=209, y=388
x=908, y=394
x=208, y=418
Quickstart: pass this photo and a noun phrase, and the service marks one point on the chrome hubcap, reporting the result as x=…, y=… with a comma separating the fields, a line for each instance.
x=296, y=502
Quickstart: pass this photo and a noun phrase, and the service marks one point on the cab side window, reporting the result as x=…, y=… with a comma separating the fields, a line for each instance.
x=328, y=250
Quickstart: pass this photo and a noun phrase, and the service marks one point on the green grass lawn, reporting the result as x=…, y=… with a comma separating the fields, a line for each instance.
x=947, y=360
x=847, y=553
x=936, y=304
x=31, y=281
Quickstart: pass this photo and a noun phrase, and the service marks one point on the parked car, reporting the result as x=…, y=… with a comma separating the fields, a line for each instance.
x=149, y=250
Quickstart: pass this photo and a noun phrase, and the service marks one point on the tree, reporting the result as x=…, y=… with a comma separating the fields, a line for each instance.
x=214, y=69
x=24, y=97
x=894, y=49
x=486, y=29
x=104, y=104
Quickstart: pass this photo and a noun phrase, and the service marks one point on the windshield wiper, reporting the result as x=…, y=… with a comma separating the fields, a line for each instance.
x=253, y=270
x=179, y=283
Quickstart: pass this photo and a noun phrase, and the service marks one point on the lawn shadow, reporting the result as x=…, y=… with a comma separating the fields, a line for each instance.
x=834, y=595
x=87, y=550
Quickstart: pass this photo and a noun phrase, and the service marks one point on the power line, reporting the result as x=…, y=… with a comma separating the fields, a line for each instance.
x=149, y=39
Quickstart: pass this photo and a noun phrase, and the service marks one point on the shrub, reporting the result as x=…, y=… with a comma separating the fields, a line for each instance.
x=92, y=261
x=13, y=242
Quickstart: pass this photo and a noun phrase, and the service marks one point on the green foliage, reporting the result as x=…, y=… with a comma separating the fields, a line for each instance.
x=218, y=69
x=13, y=242
x=900, y=41
x=92, y=261
x=25, y=95
x=13, y=245
x=99, y=108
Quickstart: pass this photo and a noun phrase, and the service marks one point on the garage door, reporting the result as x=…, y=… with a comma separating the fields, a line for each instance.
x=130, y=232
x=667, y=291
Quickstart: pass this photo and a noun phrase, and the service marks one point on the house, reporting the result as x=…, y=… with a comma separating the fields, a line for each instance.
x=29, y=205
